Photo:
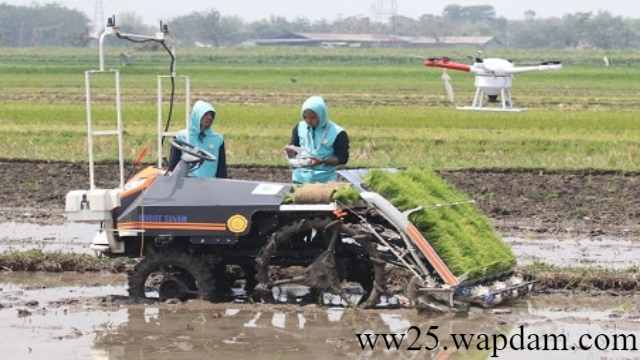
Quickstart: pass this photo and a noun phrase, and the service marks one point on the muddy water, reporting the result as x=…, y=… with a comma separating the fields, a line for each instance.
x=82, y=316
x=604, y=252
x=69, y=237
x=75, y=316
x=46, y=315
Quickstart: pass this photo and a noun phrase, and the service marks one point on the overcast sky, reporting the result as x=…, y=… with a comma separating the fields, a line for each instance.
x=153, y=11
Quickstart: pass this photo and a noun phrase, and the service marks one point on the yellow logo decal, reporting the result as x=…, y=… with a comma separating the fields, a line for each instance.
x=237, y=223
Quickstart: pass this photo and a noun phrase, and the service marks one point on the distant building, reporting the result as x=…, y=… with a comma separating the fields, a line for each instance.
x=375, y=40
x=452, y=41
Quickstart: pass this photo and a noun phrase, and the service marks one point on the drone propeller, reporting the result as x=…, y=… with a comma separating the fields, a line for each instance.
x=445, y=58
x=477, y=58
x=435, y=59
x=439, y=58
x=543, y=62
x=551, y=62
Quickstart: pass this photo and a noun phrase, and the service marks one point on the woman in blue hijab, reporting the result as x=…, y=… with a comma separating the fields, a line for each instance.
x=200, y=133
x=326, y=143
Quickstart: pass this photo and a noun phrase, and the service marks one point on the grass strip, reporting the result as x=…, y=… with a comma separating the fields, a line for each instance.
x=58, y=261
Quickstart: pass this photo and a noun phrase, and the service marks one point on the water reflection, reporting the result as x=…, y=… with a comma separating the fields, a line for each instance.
x=68, y=237
x=265, y=332
x=299, y=294
x=67, y=319
x=291, y=332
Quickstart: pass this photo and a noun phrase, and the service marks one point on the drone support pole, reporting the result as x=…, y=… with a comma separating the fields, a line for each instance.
x=506, y=99
x=477, y=99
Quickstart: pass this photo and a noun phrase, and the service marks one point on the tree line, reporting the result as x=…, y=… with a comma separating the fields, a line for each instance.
x=55, y=25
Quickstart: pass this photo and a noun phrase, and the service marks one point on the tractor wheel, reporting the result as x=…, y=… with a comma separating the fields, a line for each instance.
x=344, y=262
x=171, y=275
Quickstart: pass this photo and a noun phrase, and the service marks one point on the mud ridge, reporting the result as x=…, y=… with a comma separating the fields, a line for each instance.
x=530, y=202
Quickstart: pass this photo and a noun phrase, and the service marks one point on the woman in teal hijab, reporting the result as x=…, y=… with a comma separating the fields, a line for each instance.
x=326, y=143
x=200, y=133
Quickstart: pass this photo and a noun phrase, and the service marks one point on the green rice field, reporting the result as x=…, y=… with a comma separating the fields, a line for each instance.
x=394, y=108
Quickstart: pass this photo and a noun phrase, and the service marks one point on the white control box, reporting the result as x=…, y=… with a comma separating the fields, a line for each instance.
x=91, y=206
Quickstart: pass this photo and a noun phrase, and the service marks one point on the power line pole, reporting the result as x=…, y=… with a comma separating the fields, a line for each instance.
x=98, y=16
x=384, y=10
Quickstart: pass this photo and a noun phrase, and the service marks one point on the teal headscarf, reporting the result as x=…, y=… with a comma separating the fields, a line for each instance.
x=208, y=139
x=319, y=143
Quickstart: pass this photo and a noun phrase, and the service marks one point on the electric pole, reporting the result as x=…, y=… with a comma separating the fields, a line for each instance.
x=98, y=17
x=384, y=10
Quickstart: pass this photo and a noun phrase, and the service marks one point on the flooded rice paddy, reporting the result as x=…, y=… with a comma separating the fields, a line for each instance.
x=82, y=316
x=86, y=316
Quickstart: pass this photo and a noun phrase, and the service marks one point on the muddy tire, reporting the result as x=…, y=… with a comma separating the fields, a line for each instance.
x=171, y=275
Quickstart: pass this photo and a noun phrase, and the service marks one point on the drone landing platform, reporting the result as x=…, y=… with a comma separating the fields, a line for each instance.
x=489, y=109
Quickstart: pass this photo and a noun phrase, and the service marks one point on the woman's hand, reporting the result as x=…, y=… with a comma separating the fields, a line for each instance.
x=316, y=162
x=292, y=151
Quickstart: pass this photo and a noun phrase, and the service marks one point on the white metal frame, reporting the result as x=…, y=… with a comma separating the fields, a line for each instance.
x=118, y=131
x=91, y=133
x=505, y=94
x=161, y=133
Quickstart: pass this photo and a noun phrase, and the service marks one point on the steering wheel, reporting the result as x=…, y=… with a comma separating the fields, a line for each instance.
x=192, y=150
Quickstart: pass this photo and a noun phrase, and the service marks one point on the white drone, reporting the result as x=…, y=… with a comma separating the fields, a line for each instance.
x=494, y=78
